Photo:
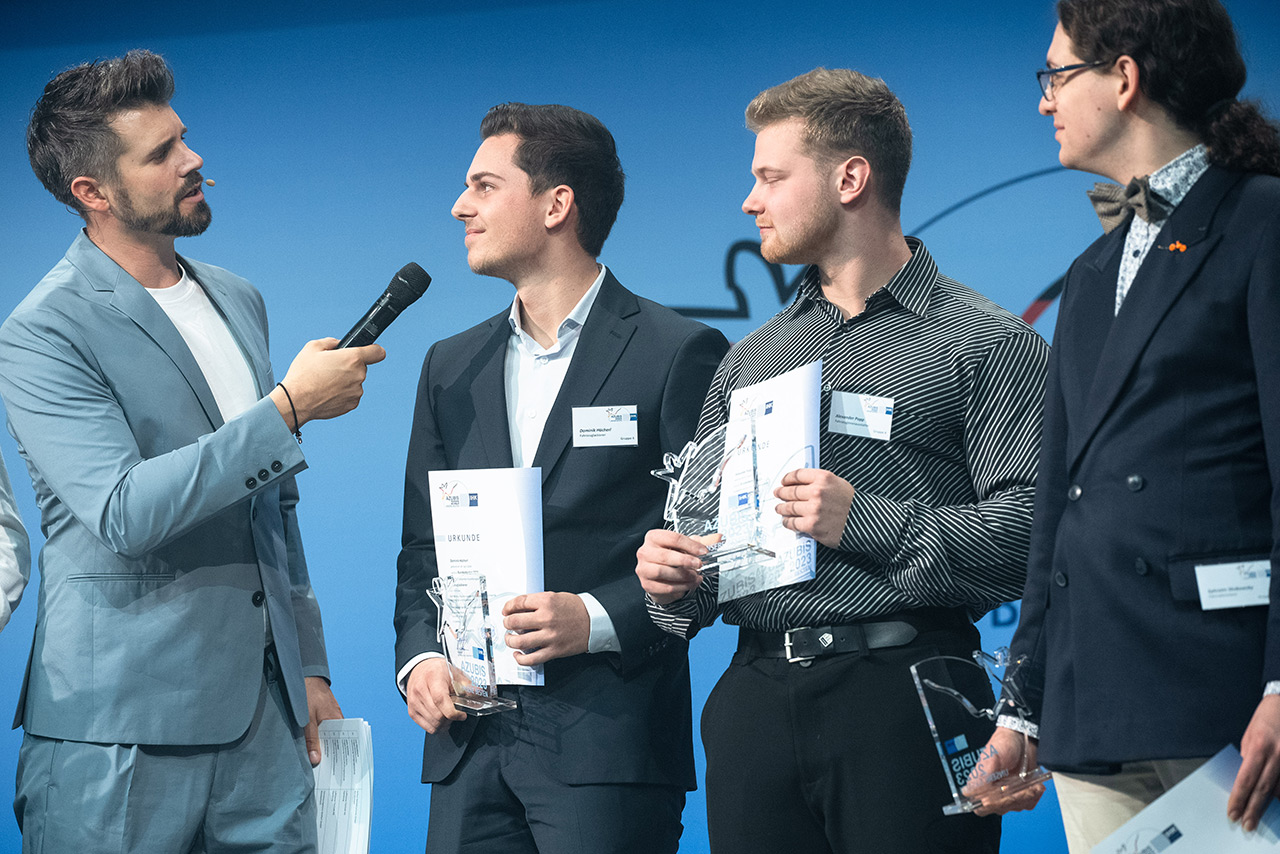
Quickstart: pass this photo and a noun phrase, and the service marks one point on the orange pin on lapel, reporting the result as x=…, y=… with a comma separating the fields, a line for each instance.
x=1177, y=246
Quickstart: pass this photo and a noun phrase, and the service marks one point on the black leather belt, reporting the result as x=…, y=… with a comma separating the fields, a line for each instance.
x=803, y=645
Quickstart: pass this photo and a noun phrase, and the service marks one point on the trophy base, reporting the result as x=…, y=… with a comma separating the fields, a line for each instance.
x=995, y=794
x=478, y=705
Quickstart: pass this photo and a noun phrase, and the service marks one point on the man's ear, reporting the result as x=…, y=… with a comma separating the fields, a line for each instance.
x=89, y=193
x=854, y=179
x=560, y=205
x=1128, y=84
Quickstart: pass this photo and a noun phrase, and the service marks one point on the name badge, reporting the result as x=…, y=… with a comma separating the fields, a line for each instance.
x=861, y=415
x=604, y=426
x=1234, y=585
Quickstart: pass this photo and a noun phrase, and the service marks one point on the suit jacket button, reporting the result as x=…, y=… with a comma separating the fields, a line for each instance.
x=1135, y=482
x=264, y=475
x=276, y=466
x=1075, y=492
x=1141, y=567
x=1060, y=578
x=250, y=483
x=258, y=598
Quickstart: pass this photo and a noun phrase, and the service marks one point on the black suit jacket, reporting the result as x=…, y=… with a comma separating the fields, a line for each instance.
x=1161, y=450
x=605, y=717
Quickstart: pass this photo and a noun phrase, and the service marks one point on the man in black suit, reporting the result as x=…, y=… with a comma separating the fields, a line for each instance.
x=600, y=758
x=1161, y=453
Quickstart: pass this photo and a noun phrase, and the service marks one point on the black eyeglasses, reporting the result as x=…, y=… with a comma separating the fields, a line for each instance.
x=1046, y=76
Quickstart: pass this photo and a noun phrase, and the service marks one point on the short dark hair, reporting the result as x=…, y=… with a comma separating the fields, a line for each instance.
x=1188, y=63
x=70, y=135
x=561, y=145
x=844, y=113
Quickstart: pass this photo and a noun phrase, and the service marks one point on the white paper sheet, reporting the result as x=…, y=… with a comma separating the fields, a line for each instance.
x=489, y=522
x=1191, y=818
x=344, y=786
x=785, y=414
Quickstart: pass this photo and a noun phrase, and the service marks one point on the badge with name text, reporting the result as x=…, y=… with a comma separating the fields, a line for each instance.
x=604, y=426
x=1234, y=585
x=861, y=415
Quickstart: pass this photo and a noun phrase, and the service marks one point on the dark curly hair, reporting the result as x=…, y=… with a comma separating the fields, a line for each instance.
x=70, y=134
x=1189, y=64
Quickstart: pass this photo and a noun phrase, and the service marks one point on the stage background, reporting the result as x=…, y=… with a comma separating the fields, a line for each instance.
x=339, y=135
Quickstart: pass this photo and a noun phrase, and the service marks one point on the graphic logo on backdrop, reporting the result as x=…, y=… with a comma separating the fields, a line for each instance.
x=786, y=290
x=454, y=493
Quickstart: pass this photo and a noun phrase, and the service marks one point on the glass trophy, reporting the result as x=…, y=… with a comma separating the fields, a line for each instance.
x=466, y=637
x=716, y=487
x=961, y=708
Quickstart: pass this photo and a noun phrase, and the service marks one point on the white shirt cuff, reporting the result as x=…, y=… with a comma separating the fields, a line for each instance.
x=603, y=637
x=1272, y=688
x=402, y=678
x=1017, y=724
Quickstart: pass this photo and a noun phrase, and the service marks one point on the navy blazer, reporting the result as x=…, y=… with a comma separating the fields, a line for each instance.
x=1161, y=449
x=604, y=717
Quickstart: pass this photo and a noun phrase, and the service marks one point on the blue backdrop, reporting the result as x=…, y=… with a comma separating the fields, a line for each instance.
x=339, y=135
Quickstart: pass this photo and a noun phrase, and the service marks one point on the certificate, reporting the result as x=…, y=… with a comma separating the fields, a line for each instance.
x=488, y=526
x=1192, y=817
x=773, y=429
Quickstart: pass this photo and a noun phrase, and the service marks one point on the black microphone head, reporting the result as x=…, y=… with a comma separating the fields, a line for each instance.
x=406, y=286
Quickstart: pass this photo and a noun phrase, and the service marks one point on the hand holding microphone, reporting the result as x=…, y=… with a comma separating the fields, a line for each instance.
x=326, y=378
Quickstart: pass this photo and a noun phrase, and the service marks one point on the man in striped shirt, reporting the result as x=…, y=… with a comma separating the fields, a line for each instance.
x=918, y=535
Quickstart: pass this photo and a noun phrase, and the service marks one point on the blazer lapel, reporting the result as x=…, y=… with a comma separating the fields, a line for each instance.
x=131, y=298
x=604, y=336
x=243, y=327
x=489, y=395
x=1180, y=250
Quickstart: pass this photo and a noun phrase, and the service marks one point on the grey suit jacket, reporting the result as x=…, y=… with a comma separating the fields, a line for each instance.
x=167, y=530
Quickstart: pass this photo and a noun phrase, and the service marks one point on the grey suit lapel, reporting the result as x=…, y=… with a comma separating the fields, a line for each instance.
x=243, y=327
x=131, y=298
x=1181, y=248
x=604, y=336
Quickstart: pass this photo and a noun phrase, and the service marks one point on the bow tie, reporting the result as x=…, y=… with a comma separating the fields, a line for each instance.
x=1115, y=204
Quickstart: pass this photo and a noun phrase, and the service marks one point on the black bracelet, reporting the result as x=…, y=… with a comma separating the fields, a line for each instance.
x=297, y=431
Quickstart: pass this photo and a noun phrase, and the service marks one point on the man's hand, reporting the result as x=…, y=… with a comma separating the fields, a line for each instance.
x=1256, y=782
x=670, y=565
x=322, y=707
x=324, y=382
x=551, y=625
x=429, y=693
x=815, y=502
x=1004, y=757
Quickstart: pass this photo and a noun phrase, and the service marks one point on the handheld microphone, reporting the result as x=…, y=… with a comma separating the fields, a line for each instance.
x=405, y=288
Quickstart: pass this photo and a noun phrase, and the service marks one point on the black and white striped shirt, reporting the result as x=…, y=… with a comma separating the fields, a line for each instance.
x=941, y=513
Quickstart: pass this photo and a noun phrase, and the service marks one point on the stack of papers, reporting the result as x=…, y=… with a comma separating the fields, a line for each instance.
x=344, y=786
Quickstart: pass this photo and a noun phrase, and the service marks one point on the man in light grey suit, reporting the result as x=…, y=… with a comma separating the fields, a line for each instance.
x=178, y=652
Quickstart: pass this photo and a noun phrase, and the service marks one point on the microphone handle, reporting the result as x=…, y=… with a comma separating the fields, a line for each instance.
x=376, y=319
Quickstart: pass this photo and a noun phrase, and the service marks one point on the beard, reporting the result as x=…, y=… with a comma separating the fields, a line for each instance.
x=804, y=241
x=172, y=222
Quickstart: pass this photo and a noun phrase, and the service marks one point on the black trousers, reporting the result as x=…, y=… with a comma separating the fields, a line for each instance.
x=833, y=757
x=501, y=800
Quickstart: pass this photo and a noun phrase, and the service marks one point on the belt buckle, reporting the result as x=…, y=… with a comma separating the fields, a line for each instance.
x=786, y=648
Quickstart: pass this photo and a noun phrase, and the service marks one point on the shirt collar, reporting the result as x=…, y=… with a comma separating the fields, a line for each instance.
x=1174, y=180
x=910, y=287
x=572, y=322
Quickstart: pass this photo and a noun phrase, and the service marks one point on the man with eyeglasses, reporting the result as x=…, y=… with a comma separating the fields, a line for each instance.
x=1152, y=630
